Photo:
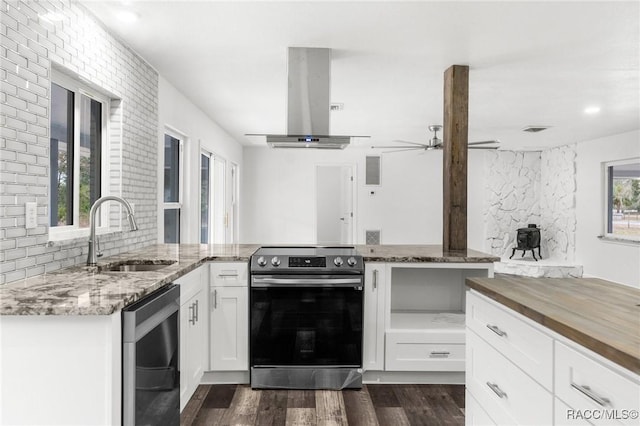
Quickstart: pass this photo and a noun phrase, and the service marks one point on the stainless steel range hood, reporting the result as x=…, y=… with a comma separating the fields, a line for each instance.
x=308, y=102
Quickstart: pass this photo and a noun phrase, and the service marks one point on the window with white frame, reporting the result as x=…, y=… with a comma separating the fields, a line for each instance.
x=172, y=197
x=622, y=199
x=205, y=197
x=78, y=147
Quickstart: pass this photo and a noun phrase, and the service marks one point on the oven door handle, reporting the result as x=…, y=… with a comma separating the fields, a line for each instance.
x=304, y=282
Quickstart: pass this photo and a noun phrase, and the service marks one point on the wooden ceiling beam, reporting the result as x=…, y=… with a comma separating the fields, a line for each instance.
x=455, y=129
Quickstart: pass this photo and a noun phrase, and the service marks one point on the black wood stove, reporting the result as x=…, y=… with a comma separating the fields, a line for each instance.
x=528, y=239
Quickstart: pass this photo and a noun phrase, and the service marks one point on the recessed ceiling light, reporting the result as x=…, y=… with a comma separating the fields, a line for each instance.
x=127, y=16
x=592, y=110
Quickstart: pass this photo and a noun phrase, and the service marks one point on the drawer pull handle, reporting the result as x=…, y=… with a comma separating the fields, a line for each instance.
x=586, y=390
x=375, y=279
x=228, y=274
x=443, y=354
x=496, y=330
x=496, y=390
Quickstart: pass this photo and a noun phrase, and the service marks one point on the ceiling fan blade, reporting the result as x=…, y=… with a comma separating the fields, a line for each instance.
x=398, y=147
x=482, y=147
x=404, y=149
x=412, y=143
x=483, y=142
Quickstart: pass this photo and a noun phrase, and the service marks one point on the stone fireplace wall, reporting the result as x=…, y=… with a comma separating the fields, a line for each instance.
x=532, y=187
x=512, y=197
x=558, y=203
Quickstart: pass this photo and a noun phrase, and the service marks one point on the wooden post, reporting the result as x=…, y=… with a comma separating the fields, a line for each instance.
x=455, y=129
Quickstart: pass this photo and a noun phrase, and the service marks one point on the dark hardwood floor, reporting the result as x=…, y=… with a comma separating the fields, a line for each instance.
x=385, y=405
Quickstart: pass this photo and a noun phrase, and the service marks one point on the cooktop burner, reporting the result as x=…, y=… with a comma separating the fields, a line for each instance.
x=307, y=260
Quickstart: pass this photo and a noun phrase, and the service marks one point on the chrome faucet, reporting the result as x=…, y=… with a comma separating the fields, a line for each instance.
x=92, y=256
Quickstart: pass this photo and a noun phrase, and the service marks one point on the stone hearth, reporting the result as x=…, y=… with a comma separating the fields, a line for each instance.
x=545, y=268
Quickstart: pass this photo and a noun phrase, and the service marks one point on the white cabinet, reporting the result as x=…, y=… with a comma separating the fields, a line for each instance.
x=593, y=391
x=373, y=327
x=508, y=394
x=229, y=320
x=520, y=372
x=425, y=323
x=521, y=342
x=193, y=331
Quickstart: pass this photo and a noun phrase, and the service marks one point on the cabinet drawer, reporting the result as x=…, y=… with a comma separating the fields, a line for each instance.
x=474, y=414
x=229, y=274
x=507, y=331
x=565, y=416
x=423, y=352
x=190, y=284
x=506, y=392
x=586, y=384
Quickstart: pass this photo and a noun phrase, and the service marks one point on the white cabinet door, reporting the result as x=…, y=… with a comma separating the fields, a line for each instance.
x=229, y=328
x=373, y=327
x=193, y=332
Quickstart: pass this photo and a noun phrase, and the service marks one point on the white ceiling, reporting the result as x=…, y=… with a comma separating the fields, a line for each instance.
x=531, y=63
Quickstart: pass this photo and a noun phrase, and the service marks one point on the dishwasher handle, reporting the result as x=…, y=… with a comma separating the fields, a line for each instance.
x=146, y=314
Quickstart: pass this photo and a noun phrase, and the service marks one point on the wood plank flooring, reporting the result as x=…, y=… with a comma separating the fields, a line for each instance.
x=384, y=405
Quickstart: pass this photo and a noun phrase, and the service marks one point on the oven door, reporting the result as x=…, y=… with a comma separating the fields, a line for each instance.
x=306, y=322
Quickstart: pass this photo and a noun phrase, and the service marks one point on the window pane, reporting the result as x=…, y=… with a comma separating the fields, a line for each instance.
x=90, y=155
x=623, y=183
x=204, y=199
x=61, y=157
x=172, y=226
x=171, y=169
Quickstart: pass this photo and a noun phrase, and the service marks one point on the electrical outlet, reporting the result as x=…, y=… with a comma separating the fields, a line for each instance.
x=31, y=214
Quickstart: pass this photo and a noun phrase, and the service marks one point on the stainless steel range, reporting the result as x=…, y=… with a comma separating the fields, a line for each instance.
x=306, y=315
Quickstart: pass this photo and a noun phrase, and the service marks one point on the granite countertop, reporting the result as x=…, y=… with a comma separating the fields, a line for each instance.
x=421, y=253
x=597, y=314
x=82, y=290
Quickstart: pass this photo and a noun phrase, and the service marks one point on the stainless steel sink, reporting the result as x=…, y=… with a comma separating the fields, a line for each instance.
x=137, y=266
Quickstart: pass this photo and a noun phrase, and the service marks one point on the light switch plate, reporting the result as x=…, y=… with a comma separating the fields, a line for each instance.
x=31, y=214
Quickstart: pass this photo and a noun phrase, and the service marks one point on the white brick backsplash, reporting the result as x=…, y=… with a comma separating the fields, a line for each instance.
x=29, y=47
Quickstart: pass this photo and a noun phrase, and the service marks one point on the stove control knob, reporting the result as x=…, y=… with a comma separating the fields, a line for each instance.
x=262, y=261
x=338, y=261
x=275, y=261
x=352, y=261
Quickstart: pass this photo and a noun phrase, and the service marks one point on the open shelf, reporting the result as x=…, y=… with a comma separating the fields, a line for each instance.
x=411, y=321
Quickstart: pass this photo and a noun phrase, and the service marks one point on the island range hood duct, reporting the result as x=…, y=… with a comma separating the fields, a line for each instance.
x=308, y=102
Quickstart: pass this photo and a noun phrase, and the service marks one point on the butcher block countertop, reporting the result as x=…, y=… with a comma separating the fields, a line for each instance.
x=597, y=314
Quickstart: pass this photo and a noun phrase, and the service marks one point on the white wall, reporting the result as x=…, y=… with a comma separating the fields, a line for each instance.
x=613, y=261
x=180, y=114
x=279, y=196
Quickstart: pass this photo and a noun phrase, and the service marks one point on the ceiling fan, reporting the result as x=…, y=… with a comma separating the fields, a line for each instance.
x=436, y=143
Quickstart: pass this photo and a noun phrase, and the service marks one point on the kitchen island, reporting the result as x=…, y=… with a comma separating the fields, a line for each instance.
x=540, y=350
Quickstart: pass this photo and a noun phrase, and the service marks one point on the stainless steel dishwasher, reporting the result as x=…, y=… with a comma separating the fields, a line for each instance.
x=150, y=345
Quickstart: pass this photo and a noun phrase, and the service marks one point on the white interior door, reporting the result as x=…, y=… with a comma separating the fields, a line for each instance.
x=334, y=205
